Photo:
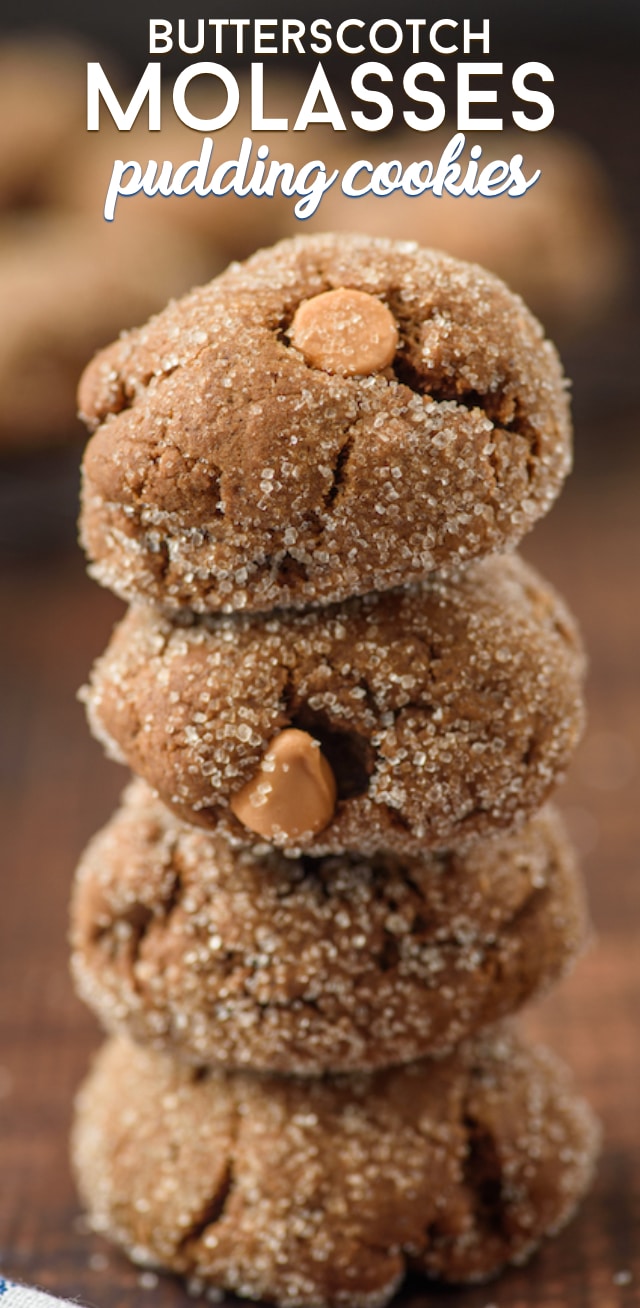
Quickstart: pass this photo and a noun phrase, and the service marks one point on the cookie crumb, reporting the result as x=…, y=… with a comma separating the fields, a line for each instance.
x=623, y=1277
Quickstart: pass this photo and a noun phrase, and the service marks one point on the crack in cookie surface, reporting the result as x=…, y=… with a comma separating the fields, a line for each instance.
x=366, y=481
x=446, y=711
x=261, y=960
x=475, y=1158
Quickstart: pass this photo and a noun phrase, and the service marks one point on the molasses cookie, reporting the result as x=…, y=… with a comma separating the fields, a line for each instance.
x=560, y=245
x=312, y=965
x=43, y=81
x=409, y=720
x=66, y=283
x=327, y=1192
x=338, y=414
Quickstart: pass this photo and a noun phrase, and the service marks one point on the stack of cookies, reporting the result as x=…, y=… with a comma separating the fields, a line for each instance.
x=346, y=701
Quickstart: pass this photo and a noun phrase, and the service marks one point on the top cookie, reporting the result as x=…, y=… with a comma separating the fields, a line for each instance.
x=336, y=415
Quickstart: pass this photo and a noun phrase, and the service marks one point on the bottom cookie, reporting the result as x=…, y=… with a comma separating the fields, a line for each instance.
x=327, y=1192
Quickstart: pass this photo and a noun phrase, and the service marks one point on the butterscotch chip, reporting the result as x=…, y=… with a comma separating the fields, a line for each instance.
x=345, y=331
x=265, y=961
x=226, y=473
x=328, y=1191
x=446, y=711
x=294, y=792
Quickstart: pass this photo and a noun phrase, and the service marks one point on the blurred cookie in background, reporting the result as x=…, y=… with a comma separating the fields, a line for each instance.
x=42, y=112
x=67, y=283
x=233, y=224
x=560, y=245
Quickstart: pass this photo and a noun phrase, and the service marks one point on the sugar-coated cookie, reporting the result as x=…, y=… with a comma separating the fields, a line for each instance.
x=445, y=712
x=304, y=965
x=237, y=465
x=326, y=1192
x=560, y=245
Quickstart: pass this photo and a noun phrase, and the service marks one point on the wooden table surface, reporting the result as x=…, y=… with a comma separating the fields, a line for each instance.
x=56, y=789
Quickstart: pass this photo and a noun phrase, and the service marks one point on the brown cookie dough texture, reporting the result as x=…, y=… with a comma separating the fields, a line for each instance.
x=229, y=469
x=306, y=965
x=446, y=711
x=328, y=1192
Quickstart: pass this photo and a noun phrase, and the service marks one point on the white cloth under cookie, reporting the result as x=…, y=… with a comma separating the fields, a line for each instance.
x=24, y=1296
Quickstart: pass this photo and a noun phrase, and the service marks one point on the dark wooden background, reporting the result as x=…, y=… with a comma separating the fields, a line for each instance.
x=56, y=789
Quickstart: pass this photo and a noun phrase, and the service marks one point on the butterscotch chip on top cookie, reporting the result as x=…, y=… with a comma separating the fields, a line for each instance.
x=445, y=711
x=238, y=463
x=311, y=965
x=326, y=1192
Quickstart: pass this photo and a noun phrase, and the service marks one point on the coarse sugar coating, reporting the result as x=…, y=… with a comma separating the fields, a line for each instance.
x=229, y=470
x=447, y=711
x=313, y=965
x=328, y=1191
x=561, y=245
